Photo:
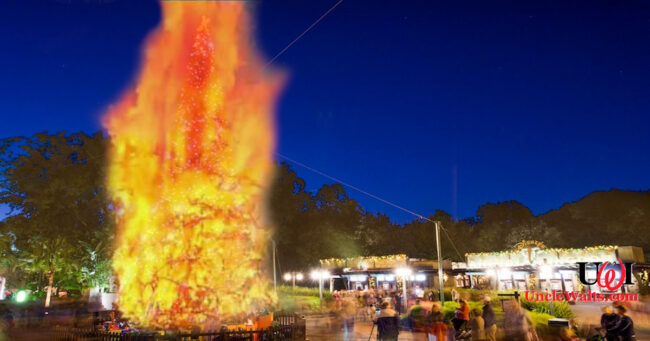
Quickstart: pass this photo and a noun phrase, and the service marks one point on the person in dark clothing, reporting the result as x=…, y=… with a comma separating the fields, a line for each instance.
x=489, y=320
x=607, y=323
x=624, y=328
x=387, y=323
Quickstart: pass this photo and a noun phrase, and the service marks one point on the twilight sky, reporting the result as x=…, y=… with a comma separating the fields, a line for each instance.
x=430, y=104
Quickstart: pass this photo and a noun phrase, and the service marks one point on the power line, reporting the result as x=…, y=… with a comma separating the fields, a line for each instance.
x=354, y=188
x=303, y=33
x=420, y=216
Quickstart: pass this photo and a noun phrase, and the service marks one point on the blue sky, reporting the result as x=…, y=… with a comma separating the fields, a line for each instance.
x=428, y=104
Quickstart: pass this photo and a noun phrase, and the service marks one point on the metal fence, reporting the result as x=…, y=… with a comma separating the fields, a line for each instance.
x=290, y=328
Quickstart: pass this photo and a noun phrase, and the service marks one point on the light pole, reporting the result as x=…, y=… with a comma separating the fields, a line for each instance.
x=441, y=280
x=546, y=271
x=404, y=273
x=320, y=275
x=293, y=277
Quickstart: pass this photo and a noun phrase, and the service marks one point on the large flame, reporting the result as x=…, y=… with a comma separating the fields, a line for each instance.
x=191, y=156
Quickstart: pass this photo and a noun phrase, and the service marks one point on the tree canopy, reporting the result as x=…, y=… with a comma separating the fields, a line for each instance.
x=61, y=222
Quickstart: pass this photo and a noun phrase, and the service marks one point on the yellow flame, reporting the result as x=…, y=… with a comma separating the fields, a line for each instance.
x=189, y=165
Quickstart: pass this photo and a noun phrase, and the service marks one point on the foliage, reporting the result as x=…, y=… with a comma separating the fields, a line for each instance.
x=303, y=299
x=61, y=220
x=54, y=188
x=561, y=309
x=287, y=290
x=540, y=320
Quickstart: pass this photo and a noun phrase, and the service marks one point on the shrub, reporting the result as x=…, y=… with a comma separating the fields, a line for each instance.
x=540, y=320
x=286, y=290
x=561, y=308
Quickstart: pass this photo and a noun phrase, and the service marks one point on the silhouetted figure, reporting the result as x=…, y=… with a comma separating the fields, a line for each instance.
x=489, y=319
x=624, y=328
x=608, y=322
x=387, y=323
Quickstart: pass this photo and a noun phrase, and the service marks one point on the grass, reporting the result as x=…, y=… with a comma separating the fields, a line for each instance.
x=301, y=299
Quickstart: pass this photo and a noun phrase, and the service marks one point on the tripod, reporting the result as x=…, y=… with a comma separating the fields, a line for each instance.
x=371, y=330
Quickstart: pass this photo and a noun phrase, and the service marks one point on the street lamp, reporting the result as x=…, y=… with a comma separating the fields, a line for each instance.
x=546, y=272
x=404, y=273
x=320, y=275
x=503, y=273
x=293, y=277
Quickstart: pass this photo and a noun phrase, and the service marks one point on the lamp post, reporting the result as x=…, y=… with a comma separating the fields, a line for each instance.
x=404, y=273
x=546, y=271
x=440, y=272
x=320, y=275
x=293, y=277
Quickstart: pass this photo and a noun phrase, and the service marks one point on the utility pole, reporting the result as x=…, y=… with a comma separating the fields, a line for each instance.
x=441, y=279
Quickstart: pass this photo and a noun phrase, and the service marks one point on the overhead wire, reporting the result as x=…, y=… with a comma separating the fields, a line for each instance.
x=419, y=216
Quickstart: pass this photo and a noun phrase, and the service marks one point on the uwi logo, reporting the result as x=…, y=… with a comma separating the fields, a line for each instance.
x=606, y=277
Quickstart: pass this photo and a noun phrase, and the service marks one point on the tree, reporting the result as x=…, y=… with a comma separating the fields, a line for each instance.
x=54, y=187
x=287, y=202
x=495, y=221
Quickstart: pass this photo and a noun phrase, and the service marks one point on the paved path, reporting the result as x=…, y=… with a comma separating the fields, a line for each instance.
x=324, y=329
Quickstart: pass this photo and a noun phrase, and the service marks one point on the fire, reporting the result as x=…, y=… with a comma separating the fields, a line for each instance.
x=188, y=169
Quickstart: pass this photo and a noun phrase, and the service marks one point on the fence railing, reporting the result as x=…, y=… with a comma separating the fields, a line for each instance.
x=290, y=327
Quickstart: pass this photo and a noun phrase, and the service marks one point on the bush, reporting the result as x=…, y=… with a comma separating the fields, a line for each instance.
x=561, y=308
x=298, y=303
x=301, y=299
x=286, y=290
x=540, y=320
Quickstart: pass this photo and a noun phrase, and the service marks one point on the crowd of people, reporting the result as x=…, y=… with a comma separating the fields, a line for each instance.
x=425, y=317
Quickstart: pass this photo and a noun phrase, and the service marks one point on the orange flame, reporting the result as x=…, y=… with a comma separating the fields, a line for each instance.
x=190, y=161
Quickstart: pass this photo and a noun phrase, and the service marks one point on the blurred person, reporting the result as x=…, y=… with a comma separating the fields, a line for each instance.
x=608, y=321
x=387, y=322
x=477, y=325
x=489, y=319
x=455, y=296
x=517, y=323
x=436, y=327
x=624, y=327
x=398, y=303
x=416, y=317
x=461, y=316
x=567, y=334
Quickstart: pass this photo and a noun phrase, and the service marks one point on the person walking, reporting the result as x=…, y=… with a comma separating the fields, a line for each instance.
x=436, y=327
x=416, y=317
x=608, y=321
x=387, y=323
x=489, y=319
x=477, y=325
x=624, y=328
x=517, y=323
